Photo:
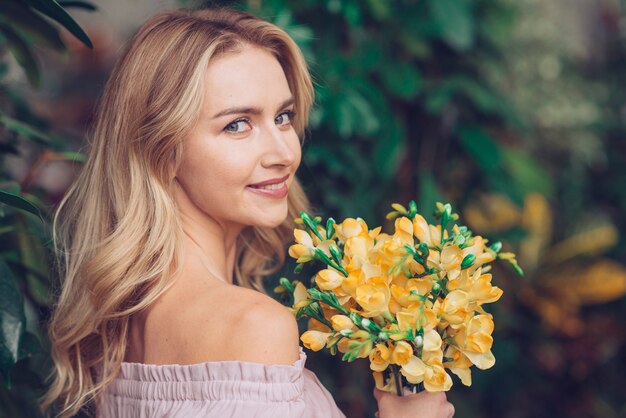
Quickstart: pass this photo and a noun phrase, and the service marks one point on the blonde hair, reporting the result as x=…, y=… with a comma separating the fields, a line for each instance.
x=117, y=230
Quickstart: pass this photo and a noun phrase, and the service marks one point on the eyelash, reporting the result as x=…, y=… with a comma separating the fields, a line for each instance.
x=290, y=114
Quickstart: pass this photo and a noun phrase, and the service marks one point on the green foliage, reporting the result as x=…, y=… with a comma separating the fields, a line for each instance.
x=24, y=254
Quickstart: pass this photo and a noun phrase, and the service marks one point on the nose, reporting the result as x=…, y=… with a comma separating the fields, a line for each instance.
x=280, y=147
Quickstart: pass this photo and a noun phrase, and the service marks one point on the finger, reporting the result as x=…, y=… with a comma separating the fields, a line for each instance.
x=451, y=409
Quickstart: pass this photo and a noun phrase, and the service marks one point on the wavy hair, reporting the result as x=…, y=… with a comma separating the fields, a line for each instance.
x=117, y=231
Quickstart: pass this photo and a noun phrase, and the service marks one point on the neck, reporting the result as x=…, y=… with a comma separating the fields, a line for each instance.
x=208, y=243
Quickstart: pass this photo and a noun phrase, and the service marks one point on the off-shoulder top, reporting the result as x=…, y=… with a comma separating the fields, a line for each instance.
x=217, y=389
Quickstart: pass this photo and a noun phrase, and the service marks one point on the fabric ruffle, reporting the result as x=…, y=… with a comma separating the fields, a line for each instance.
x=224, y=388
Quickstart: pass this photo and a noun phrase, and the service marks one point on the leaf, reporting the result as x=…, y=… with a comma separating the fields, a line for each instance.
x=12, y=320
x=53, y=10
x=78, y=4
x=366, y=120
x=31, y=25
x=455, y=21
x=527, y=174
x=24, y=129
x=482, y=148
x=30, y=345
x=19, y=202
x=429, y=193
x=389, y=149
x=402, y=80
x=22, y=52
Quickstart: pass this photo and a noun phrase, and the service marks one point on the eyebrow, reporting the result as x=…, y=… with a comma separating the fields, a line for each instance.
x=250, y=110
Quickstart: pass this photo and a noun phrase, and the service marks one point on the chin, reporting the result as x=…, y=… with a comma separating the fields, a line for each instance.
x=272, y=220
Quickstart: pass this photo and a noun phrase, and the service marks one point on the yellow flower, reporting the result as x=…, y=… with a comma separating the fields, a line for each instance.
x=300, y=296
x=314, y=340
x=341, y=322
x=414, y=370
x=436, y=379
x=455, y=308
x=432, y=340
x=430, y=234
x=315, y=325
x=483, y=292
x=379, y=357
x=475, y=341
x=304, y=249
x=355, y=279
x=351, y=227
x=373, y=296
x=404, y=231
x=448, y=261
x=356, y=251
x=407, y=319
x=328, y=279
x=459, y=365
x=402, y=352
x=429, y=370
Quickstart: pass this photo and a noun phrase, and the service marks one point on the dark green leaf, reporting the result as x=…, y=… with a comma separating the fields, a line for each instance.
x=30, y=345
x=31, y=25
x=455, y=21
x=428, y=192
x=78, y=4
x=482, y=148
x=53, y=10
x=12, y=320
x=22, y=53
x=526, y=173
x=389, y=148
x=19, y=202
x=24, y=129
x=402, y=80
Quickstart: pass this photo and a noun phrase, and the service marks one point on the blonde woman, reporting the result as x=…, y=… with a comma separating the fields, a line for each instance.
x=186, y=202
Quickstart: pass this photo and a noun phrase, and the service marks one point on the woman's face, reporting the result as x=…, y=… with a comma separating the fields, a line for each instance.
x=244, y=137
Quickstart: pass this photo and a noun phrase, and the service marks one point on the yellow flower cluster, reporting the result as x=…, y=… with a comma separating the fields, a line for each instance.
x=411, y=301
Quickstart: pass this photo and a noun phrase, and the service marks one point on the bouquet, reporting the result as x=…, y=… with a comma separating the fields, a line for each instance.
x=412, y=302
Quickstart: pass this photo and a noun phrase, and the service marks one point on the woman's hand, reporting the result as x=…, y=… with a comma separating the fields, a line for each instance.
x=418, y=405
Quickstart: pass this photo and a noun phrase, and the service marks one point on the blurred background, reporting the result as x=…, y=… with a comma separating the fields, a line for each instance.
x=513, y=111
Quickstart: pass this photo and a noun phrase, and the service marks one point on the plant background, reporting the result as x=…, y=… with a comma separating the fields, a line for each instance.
x=513, y=111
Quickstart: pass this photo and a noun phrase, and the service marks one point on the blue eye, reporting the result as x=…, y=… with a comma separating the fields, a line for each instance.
x=238, y=126
x=285, y=118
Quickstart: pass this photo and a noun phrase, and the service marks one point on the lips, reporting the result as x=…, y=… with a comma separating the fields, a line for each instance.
x=271, y=181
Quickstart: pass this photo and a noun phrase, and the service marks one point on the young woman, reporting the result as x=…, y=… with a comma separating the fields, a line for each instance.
x=186, y=202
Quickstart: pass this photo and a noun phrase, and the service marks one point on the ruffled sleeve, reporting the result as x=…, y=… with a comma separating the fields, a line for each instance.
x=217, y=389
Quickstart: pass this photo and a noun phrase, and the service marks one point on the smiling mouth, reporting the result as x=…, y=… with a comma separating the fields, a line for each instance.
x=276, y=186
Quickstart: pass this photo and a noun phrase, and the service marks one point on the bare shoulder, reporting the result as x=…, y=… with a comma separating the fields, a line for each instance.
x=264, y=331
x=231, y=323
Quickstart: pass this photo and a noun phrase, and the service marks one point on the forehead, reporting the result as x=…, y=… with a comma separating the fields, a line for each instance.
x=251, y=76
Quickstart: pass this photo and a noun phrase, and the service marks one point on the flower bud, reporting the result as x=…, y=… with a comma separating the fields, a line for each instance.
x=314, y=340
x=468, y=261
x=436, y=288
x=419, y=341
x=346, y=332
x=341, y=322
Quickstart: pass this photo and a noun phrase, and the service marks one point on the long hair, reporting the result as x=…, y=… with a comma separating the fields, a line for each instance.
x=117, y=230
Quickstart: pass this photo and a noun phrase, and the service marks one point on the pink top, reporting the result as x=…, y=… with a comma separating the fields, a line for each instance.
x=217, y=389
